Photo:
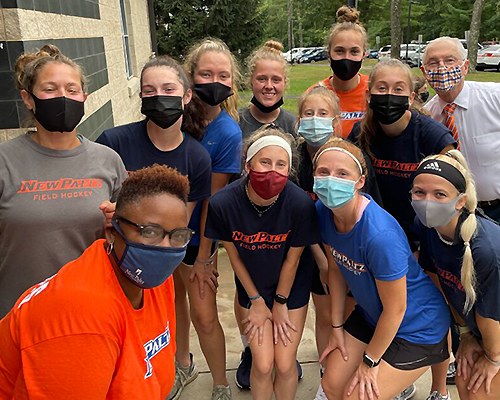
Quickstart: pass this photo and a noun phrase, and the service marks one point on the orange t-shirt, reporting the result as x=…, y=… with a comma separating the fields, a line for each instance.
x=76, y=336
x=352, y=103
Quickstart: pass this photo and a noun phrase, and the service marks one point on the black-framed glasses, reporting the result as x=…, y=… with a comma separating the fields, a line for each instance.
x=154, y=234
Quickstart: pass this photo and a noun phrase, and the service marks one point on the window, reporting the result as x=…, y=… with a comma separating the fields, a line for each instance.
x=126, y=47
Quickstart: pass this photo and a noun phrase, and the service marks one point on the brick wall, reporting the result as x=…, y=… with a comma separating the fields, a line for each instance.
x=88, y=31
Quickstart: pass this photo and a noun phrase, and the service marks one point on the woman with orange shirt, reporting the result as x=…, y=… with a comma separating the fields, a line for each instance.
x=347, y=44
x=103, y=327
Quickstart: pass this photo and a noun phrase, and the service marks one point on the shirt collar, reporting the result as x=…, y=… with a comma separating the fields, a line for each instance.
x=461, y=101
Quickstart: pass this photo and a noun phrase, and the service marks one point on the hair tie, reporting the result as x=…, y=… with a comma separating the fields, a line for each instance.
x=466, y=244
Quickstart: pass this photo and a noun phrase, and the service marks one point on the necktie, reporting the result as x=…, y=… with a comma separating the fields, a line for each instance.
x=449, y=109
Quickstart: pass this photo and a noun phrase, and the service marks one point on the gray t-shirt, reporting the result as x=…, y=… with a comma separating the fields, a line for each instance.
x=49, y=208
x=248, y=124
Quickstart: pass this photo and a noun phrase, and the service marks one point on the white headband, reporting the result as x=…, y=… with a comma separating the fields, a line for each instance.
x=343, y=151
x=271, y=140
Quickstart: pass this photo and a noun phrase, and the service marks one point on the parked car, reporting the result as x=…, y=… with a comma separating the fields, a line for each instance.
x=464, y=43
x=488, y=58
x=384, y=52
x=316, y=54
x=372, y=53
x=293, y=55
x=415, y=53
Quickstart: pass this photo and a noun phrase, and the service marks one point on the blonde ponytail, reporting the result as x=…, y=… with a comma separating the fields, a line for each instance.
x=468, y=228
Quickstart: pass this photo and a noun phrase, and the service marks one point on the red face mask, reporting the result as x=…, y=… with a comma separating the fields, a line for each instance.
x=267, y=184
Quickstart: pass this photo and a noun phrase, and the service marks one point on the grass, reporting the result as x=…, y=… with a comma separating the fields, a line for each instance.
x=305, y=75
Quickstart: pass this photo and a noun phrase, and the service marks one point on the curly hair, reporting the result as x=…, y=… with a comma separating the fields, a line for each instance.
x=152, y=181
x=29, y=65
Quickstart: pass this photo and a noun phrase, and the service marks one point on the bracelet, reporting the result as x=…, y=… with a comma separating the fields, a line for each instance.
x=209, y=261
x=255, y=297
x=495, y=363
x=491, y=353
x=337, y=326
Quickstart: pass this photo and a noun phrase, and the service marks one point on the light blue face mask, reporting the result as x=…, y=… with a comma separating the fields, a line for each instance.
x=334, y=192
x=316, y=130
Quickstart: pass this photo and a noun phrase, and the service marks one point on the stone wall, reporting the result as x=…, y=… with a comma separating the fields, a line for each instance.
x=88, y=31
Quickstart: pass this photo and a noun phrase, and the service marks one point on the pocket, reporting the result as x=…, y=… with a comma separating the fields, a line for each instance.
x=488, y=149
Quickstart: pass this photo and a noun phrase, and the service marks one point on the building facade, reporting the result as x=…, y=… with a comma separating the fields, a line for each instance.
x=110, y=39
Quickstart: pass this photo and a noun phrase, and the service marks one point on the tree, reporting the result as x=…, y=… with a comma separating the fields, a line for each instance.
x=395, y=28
x=475, y=26
x=181, y=23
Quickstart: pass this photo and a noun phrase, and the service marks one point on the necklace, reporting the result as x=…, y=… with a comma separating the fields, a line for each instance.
x=260, y=212
x=444, y=240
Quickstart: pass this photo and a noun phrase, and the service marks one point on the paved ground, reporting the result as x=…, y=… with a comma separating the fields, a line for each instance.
x=201, y=388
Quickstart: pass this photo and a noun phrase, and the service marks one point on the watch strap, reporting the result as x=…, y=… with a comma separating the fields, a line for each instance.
x=280, y=299
x=369, y=362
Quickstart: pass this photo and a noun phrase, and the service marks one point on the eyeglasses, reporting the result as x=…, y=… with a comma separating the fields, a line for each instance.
x=154, y=234
x=448, y=62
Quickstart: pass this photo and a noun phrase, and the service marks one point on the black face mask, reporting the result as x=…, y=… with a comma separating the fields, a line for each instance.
x=345, y=69
x=424, y=96
x=212, y=93
x=164, y=111
x=388, y=108
x=58, y=114
x=264, y=108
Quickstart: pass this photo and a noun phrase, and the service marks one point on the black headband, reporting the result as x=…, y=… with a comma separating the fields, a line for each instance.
x=444, y=170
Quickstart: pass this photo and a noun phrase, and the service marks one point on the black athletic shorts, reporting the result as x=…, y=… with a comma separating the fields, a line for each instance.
x=299, y=293
x=192, y=253
x=401, y=354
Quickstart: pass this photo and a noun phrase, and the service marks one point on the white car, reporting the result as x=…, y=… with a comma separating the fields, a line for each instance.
x=295, y=54
x=488, y=58
x=413, y=50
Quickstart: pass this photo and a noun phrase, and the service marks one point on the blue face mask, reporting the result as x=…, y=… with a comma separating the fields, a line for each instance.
x=316, y=130
x=333, y=192
x=145, y=265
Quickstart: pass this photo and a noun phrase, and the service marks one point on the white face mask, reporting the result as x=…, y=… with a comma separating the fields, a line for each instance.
x=435, y=213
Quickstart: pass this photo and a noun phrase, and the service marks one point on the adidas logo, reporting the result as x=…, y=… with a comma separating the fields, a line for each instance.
x=433, y=165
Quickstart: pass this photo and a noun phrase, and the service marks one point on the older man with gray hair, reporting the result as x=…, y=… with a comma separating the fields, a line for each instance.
x=472, y=112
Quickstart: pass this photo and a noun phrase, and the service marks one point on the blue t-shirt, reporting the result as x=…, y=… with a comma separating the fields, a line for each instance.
x=134, y=146
x=263, y=242
x=377, y=249
x=222, y=139
x=395, y=159
x=446, y=261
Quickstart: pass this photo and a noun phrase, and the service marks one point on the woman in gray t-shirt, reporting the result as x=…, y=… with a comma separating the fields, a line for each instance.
x=268, y=77
x=52, y=180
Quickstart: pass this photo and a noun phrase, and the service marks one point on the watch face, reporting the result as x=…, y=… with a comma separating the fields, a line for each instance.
x=368, y=361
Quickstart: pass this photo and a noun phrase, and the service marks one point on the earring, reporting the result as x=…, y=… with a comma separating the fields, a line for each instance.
x=109, y=249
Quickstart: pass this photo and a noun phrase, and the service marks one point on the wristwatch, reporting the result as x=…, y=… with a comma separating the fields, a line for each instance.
x=369, y=362
x=280, y=299
x=460, y=330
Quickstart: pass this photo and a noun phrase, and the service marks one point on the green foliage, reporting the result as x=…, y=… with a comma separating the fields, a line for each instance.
x=181, y=23
x=245, y=24
x=431, y=18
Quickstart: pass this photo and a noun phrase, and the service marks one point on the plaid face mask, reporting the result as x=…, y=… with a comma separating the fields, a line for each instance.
x=444, y=78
